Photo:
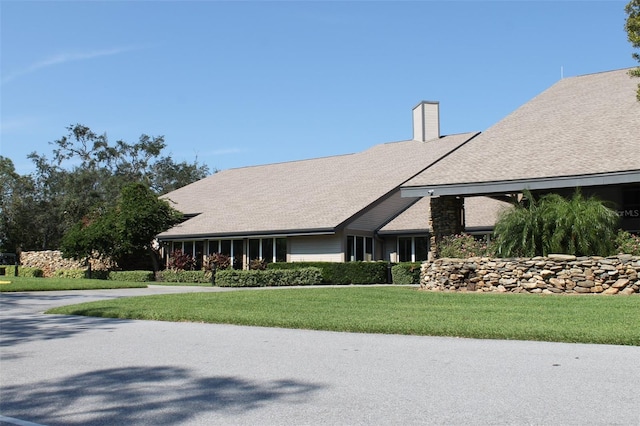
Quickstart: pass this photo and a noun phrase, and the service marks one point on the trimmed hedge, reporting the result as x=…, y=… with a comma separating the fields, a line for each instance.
x=23, y=271
x=171, y=276
x=70, y=273
x=406, y=273
x=132, y=276
x=342, y=272
x=80, y=274
x=268, y=278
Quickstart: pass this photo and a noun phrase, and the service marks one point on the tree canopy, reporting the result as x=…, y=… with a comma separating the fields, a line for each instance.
x=127, y=228
x=78, y=182
x=632, y=26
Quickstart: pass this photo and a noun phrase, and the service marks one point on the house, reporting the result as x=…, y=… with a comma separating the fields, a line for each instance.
x=583, y=132
x=340, y=208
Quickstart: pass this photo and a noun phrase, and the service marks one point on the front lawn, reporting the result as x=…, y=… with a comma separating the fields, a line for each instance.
x=393, y=310
x=50, y=284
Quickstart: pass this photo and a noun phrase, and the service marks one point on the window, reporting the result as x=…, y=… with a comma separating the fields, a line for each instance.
x=281, y=249
x=261, y=248
x=630, y=203
x=404, y=249
x=199, y=252
x=267, y=246
x=413, y=249
x=359, y=248
x=214, y=246
x=237, y=254
x=225, y=247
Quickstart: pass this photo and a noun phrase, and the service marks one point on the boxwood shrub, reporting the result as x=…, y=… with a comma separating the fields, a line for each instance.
x=23, y=271
x=132, y=276
x=172, y=276
x=70, y=273
x=342, y=272
x=274, y=277
x=406, y=273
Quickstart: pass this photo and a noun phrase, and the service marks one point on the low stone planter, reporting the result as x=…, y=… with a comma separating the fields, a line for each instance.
x=550, y=275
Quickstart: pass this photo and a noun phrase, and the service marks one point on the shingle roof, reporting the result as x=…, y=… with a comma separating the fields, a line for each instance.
x=309, y=195
x=480, y=213
x=580, y=126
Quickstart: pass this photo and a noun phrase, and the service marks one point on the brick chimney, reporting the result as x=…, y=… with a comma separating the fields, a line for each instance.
x=426, y=121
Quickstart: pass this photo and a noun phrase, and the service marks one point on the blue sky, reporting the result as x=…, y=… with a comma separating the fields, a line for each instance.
x=253, y=82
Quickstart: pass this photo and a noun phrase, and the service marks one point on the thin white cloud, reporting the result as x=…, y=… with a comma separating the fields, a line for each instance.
x=227, y=151
x=63, y=58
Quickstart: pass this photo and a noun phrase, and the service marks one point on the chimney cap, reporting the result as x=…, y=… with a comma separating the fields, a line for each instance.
x=426, y=102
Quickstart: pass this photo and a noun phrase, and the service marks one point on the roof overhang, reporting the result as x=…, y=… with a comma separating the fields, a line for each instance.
x=243, y=235
x=518, y=185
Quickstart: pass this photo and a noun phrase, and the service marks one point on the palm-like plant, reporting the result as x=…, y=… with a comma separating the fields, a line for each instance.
x=553, y=224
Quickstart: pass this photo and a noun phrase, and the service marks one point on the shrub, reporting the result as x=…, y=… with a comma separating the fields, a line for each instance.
x=258, y=264
x=342, y=273
x=463, y=246
x=553, y=224
x=219, y=260
x=274, y=277
x=628, y=243
x=132, y=276
x=405, y=273
x=171, y=276
x=24, y=271
x=70, y=273
x=181, y=261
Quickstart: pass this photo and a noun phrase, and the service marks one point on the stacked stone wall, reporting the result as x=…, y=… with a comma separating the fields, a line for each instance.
x=51, y=260
x=553, y=274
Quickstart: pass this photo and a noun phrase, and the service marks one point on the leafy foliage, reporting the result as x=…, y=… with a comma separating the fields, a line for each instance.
x=342, y=272
x=632, y=26
x=272, y=277
x=182, y=276
x=464, y=246
x=126, y=229
x=131, y=276
x=258, y=264
x=553, y=224
x=405, y=273
x=218, y=261
x=628, y=243
x=81, y=179
x=24, y=271
x=181, y=261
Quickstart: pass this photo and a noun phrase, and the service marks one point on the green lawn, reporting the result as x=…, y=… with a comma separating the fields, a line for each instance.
x=52, y=284
x=395, y=310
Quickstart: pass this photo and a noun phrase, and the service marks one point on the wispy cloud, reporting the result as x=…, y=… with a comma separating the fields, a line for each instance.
x=227, y=151
x=66, y=57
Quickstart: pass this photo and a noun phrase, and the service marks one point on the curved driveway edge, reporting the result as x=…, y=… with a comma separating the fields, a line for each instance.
x=65, y=370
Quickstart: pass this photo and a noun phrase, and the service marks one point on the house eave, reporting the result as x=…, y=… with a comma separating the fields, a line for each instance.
x=518, y=185
x=242, y=235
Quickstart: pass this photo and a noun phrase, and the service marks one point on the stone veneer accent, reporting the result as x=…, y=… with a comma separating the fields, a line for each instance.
x=446, y=219
x=51, y=260
x=553, y=274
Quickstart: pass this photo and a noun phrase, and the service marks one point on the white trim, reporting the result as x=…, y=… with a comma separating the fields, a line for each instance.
x=506, y=187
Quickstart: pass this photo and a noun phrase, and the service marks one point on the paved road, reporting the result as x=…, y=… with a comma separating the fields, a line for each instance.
x=61, y=370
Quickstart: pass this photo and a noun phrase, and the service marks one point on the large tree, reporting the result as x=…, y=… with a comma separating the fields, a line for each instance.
x=81, y=179
x=127, y=229
x=632, y=26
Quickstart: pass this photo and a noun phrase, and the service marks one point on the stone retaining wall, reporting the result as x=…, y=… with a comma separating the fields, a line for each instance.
x=553, y=274
x=51, y=260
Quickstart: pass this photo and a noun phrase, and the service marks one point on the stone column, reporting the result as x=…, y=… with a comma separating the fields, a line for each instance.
x=447, y=218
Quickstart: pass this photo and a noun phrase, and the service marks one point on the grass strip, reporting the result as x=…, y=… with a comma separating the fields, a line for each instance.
x=393, y=310
x=57, y=284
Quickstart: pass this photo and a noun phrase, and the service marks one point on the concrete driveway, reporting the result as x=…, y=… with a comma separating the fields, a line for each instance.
x=62, y=370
